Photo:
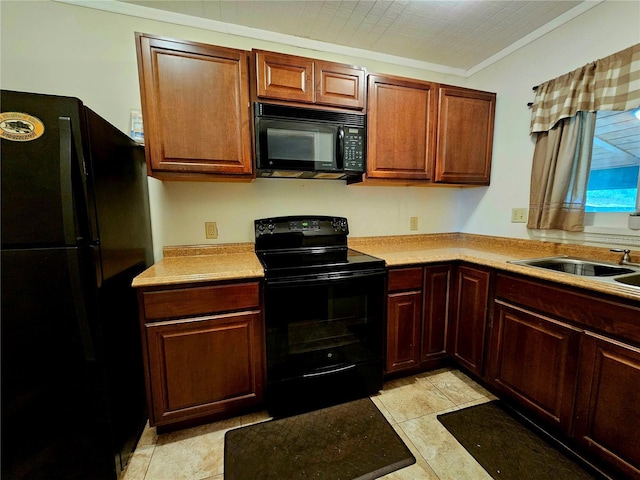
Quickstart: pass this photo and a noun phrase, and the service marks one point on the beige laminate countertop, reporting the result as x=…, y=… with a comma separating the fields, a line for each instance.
x=238, y=261
x=202, y=264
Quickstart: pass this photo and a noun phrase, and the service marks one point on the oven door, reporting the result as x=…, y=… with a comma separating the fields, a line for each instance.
x=324, y=339
x=298, y=145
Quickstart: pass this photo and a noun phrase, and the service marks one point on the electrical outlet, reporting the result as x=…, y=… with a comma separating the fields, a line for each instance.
x=211, y=230
x=518, y=215
x=413, y=223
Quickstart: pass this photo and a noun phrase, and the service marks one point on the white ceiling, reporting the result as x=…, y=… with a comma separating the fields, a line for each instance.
x=450, y=36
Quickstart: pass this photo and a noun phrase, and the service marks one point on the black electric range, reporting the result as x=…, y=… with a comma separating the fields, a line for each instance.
x=324, y=314
x=309, y=247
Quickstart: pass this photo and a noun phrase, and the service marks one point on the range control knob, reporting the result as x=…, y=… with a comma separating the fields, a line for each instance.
x=265, y=228
x=339, y=224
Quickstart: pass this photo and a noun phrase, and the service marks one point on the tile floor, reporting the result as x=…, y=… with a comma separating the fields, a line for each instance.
x=410, y=404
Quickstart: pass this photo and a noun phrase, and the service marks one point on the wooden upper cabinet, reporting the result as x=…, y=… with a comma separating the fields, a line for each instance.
x=196, y=110
x=284, y=77
x=340, y=85
x=287, y=78
x=465, y=136
x=401, y=128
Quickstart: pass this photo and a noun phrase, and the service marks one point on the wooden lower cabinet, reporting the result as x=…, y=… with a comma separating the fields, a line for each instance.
x=607, y=421
x=435, y=313
x=534, y=361
x=571, y=357
x=468, y=328
x=417, y=312
x=404, y=318
x=204, y=351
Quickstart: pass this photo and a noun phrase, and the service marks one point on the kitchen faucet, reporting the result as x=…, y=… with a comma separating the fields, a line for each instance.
x=626, y=259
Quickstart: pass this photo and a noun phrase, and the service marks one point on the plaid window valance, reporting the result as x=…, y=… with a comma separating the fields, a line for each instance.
x=611, y=83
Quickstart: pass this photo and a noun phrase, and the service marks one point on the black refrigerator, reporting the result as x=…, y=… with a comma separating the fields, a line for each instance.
x=75, y=231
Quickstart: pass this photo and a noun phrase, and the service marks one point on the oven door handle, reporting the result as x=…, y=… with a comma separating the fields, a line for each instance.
x=329, y=372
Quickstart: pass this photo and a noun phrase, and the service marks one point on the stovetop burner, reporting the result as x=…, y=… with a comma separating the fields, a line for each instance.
x=308, y=245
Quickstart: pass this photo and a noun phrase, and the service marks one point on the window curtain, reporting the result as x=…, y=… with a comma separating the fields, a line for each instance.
x=563, y=118
x=561, y=163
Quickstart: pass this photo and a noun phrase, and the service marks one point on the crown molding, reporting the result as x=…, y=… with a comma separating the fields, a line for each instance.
x=114, y=6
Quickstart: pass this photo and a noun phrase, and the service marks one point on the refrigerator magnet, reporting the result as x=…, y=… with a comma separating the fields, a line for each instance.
x=20, y=127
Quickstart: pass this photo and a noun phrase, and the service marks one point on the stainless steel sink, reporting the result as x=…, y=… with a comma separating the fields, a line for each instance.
x=605, y=272
x=633, y=280
x=577, y=266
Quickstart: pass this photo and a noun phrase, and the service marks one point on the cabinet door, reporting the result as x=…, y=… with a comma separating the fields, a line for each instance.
x=204, y=366
x=340, y=85
x=195, y=105
x=468, y=328
x=465, y=136
x=403, y=330
x=608, y=403
x=401, y=128
x=534, y=361
x=284, y=77
x=435, y=312
x=404, y=318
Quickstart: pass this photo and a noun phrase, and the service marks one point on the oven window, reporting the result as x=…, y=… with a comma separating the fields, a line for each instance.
x=322, y=326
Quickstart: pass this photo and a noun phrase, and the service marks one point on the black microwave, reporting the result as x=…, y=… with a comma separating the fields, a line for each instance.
x=295, y=142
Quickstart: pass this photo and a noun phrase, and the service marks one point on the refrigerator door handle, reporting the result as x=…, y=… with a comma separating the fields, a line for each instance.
x=66, y=180
x=77, y=289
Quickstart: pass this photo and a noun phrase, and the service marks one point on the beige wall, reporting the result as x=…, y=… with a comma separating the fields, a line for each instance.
x=64, y=49
x=607, y=28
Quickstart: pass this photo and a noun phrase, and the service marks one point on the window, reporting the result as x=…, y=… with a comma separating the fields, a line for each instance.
x=615, y=163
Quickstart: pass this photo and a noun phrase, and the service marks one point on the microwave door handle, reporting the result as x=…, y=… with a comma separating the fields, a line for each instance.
x=340, y=149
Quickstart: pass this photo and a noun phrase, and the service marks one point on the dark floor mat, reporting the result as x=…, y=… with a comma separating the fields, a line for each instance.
x=506, y=448
x=343, y=442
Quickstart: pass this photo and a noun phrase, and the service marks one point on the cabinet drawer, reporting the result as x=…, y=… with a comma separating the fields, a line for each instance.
x=405, y=279
x=613, y=316
x=183, y=302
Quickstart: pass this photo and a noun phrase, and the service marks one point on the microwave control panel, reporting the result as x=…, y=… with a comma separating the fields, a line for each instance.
x=354, y=146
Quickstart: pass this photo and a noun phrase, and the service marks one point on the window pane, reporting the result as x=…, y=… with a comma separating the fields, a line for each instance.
x=615, y=163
